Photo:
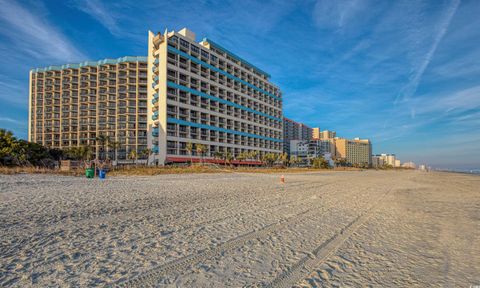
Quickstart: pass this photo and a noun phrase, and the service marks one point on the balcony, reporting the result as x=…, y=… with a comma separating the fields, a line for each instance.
x=155, y=98
x=157, y=39
x=155, y=132
x=155, y=116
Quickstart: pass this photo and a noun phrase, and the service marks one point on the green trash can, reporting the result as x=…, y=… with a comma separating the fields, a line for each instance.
x=90, y=172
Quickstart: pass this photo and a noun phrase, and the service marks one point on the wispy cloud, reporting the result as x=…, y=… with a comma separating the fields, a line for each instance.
x=11, y=120
x=337, y=14
x=416, y=77
x=34, y=36
x=10, y=91
x=102, y=14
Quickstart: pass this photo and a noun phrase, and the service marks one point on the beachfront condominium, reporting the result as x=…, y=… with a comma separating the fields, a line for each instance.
x=74, y=105
x=355, y=152
x=201, y=93
x=293, y=130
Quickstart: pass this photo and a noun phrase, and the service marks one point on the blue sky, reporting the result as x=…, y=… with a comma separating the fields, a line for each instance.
x=405, y=74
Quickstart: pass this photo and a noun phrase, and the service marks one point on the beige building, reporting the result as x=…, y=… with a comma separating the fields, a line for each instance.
x=326, y=134
x=73, y=104
x=410, y=165
x=397, y=163
x=355, y=152
x=377, y=161
x=201, y=93
x=389, y=159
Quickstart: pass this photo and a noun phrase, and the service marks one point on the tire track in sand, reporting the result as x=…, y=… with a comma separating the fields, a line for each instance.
x=151, y=277
x=307, y=264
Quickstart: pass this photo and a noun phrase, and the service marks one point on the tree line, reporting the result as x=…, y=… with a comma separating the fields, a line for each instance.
x=19, y=152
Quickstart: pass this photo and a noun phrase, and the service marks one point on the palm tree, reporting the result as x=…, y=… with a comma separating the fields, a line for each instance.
x=294, y=160
x=132, y=155
x=284, y=159
x=146, y=153
x=217, y=155
x=269, y=159
x=201, y=150
x=85, y=152
x=254, y=154
x=7, y=141
x=242, y=156
x=114, y=145
x=224, y=157
x=102, y=141
x=189, y=148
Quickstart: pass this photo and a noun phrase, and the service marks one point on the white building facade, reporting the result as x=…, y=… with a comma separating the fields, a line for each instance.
x=201, y=93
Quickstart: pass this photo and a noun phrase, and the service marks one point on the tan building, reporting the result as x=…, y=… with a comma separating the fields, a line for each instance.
x=377, y=161
x=73, y=104
x=326, y=134
x=355, y=152
x=409, y=165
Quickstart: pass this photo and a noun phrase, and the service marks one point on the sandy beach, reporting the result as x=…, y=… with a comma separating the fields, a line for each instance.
x=327, y=229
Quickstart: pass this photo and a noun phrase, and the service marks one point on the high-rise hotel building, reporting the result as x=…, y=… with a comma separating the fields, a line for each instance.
x=71, y=105
x=356, y=152
x=293, y=130
x=201, y=93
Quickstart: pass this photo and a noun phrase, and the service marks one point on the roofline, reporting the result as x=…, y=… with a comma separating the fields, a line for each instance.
x=214, y=44
x=289, y=119
x=91, y=63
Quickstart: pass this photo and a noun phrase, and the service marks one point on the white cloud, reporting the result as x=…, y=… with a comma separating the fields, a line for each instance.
x=11, y=120
x=99, y=12
x=462, y=100
x=416, y=77
x=337, y=14
x=32, y=35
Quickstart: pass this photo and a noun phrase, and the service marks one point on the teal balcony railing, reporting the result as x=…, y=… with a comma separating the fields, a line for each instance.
x=155, y=132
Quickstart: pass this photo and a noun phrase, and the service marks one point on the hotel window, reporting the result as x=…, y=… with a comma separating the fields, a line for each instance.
x=184, y=43
x=195, y=49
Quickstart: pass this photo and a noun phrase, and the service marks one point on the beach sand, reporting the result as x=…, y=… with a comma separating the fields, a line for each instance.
x=378, y=228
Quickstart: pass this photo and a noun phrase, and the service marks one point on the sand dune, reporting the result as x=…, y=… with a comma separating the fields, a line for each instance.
x=241, y=230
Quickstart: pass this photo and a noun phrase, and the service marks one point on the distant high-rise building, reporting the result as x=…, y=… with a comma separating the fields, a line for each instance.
x=293, y=130
x=73, y=105
x=326, y=134
x=397, y=163
x=356, y=151
x=377, y=161
x=409, y=165
x=388, y=159
x=312, y=148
